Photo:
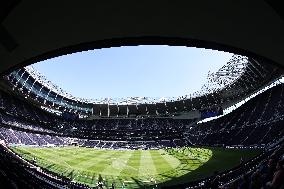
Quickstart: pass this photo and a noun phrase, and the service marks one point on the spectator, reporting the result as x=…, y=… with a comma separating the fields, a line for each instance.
x=278, y=178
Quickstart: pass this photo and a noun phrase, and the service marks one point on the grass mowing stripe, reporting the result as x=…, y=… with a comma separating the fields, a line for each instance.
x=160, y=163
x=47, y=153
x=52, y=158
x=172, y=161
x=133, y=164
x=147, y=167
x=60, y=156
x=51, y=150
x=82, y=160
x=118, y=164
x=85, y=156
x=43, y=155
x=100, y=162
x=132, y=168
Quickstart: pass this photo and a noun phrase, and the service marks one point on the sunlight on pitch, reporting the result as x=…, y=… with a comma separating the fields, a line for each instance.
x=132, y=168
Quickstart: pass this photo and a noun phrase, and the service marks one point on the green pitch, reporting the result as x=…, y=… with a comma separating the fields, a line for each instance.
x=134, y=168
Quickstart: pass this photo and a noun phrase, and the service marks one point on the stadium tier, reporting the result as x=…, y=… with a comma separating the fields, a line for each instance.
x=16, y=138
x=258, y=121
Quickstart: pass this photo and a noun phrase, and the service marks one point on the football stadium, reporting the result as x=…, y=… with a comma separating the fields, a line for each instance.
x=141, y=95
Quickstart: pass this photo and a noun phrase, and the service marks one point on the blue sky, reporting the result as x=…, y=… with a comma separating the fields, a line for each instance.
x=151, y=71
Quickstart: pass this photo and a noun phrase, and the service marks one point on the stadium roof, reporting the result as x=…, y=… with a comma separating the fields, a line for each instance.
x=132, y=73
